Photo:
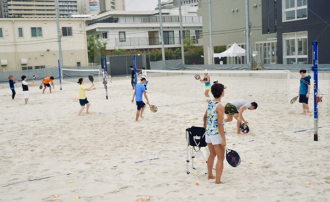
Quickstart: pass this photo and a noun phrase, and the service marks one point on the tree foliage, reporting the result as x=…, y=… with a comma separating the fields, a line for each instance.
x=96, y=49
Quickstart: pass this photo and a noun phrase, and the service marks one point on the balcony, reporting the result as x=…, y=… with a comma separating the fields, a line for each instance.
x=150, y=19
x=145, y=41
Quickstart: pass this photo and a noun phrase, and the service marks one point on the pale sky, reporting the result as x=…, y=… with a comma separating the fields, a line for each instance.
x=141, y=5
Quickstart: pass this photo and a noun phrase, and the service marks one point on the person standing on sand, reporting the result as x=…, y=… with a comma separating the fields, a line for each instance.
x=12, y=86
x=304, y=90
x=82, y=97
x=207, y=83
x=214, y=123
x=139, y=90
x=25, y=87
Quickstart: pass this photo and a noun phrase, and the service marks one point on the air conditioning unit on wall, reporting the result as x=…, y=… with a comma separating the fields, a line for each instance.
x=3, y=62
x=23, y=61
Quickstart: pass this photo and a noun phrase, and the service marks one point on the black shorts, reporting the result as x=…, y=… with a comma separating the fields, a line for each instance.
x=303, y=99
x=46, y=84
x=140, y=105
x=230, y=109
x=83, y=101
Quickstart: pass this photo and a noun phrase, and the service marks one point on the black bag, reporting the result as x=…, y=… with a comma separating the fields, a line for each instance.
x=196, y=136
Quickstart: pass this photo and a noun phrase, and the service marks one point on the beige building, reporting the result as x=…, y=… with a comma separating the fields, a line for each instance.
x=228, y=24
x=112, y=5
x=27, y=43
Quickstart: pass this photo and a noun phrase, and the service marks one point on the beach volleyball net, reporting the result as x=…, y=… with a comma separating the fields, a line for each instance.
x=72, y=75
x=265, y=87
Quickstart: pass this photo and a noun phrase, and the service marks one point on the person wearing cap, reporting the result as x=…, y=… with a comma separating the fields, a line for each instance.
x=215, y=81
x=207, y=82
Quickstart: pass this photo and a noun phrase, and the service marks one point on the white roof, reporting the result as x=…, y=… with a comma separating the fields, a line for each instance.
x=233, y=51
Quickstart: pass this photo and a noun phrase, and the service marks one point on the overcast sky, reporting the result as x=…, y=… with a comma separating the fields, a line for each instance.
x=141, y=5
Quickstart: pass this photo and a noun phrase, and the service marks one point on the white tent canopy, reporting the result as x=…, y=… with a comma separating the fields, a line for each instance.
x=233, y=51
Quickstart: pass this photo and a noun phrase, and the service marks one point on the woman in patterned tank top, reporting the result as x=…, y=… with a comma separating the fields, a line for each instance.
x=214, y=123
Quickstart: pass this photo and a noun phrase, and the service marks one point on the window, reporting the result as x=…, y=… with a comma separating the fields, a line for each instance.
x=294, y=10
x=267, y=52
x=153, y=37
x=1, y=32
x=36, y=32
x=295, y=48
x=122, y=37
x=78, y=64
x=168, y=37
x=20, y=32
x=105, y=35
x=66, y=31
x=27, y=68
x=39, y=67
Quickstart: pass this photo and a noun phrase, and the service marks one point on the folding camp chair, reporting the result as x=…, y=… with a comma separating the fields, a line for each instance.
x=195, y=137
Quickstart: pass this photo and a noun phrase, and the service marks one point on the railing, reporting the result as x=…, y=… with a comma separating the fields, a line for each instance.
x=151, y=19
x=145, y=41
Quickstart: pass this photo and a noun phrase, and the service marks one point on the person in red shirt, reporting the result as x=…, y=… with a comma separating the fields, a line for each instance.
x=46, y=82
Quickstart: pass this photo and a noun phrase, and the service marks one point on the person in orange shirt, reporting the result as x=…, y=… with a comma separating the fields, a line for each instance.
x=46, y=82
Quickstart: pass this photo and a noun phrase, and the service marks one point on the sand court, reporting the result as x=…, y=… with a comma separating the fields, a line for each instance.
x=47, y=150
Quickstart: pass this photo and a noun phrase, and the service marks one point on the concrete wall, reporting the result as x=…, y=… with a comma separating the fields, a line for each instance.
x=228, y=26
x=41, y=51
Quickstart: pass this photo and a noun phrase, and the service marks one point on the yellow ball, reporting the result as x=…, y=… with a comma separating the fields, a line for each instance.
x=251, y=162
x=195, y=173
x=197, y=183
x=148, y=198
x=55, y=196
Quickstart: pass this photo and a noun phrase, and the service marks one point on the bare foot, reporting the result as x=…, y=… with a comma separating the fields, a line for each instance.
x=304, y=113
x=141, y=116
x=87, y=112
x=219, y=182
x=308, y=112
x=136, y=120
x=211, y=177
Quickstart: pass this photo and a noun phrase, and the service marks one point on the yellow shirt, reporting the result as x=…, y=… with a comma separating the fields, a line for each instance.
x=82, y=92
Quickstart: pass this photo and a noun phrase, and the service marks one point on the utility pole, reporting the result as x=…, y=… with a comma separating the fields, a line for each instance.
x=247, y=34
x=59, y=42
x=161, y=29
x=181, y=31
x=210, y=30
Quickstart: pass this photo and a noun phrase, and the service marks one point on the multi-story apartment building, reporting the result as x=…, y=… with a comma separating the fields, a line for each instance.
x=111, y=5
x=228, y=24
x=41, y=8
x=31, y=43
x=141, y=30
x=297, y=23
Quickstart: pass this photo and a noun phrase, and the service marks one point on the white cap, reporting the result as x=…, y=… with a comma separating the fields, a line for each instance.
x=205, y=70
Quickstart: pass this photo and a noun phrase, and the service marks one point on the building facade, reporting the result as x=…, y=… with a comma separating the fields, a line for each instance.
x=42, y=8
x=32, y=43
x=297, y=24
x=228, y=24
x=141, y=30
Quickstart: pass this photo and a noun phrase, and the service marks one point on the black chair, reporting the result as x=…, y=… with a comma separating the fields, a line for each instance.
x=195, y=137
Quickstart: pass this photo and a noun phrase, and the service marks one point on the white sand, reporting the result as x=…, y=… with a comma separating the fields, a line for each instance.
x=46, y=138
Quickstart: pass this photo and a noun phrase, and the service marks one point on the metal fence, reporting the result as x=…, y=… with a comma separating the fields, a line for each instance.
x=145, y=41
x=119, y=64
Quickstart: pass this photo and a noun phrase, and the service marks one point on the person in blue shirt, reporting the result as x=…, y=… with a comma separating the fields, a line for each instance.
x=12, y=86
x=139, y=91
x=304, y=89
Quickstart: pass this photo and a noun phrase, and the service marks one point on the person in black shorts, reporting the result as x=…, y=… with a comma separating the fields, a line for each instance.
x=139, y=91
x=304, y=90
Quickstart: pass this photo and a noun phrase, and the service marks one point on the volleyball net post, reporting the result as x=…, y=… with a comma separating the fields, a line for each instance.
x=60, y=73
x=315, y=70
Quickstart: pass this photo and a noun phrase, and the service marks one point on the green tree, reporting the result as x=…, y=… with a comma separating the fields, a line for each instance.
x=96, y=49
